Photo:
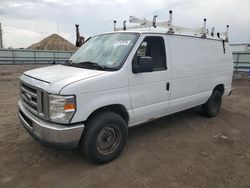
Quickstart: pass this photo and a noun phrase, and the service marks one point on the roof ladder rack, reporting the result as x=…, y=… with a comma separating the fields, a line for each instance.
x=170, y=23
x=143, y=23
x=204, y=29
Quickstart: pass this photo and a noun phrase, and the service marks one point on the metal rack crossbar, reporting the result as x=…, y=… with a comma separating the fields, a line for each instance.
x=143, y=23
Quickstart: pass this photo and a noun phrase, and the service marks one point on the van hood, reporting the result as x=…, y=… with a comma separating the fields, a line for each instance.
x=58, y=76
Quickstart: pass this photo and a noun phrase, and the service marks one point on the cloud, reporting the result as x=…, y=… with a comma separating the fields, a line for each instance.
x=95, y=16
x=20, y=39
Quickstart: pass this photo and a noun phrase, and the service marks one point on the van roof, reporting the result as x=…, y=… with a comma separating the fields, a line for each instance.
x=163, y=32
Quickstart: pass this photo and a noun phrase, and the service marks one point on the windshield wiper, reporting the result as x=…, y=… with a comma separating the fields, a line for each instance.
x=68, y=62
x=89, y=64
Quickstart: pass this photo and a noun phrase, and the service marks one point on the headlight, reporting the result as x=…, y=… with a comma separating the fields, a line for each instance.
x=61, y=108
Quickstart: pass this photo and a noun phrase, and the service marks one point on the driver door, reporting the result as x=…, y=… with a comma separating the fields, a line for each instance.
x=150, y=91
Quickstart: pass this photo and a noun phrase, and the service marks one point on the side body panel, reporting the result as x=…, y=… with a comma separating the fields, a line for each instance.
x=198, y=66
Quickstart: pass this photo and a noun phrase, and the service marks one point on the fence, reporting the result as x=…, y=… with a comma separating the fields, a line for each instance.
x=241, y=61
x=22, y=56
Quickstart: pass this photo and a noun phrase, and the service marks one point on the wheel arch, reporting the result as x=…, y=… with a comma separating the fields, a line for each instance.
x=116, y=108
x=220, y=87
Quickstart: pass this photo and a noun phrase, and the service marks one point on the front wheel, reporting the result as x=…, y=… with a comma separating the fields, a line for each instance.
x=105, y=137
x=212, y=107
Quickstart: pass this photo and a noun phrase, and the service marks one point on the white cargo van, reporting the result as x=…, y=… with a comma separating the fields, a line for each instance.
x=121, y=79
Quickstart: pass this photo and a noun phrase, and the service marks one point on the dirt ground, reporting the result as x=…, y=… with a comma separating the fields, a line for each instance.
x=182, y=150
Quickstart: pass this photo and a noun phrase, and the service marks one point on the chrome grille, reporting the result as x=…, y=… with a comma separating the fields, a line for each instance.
x=32, y=99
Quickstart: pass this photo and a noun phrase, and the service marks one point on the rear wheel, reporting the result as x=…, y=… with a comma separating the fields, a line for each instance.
x=105, y=137
x=212, y=107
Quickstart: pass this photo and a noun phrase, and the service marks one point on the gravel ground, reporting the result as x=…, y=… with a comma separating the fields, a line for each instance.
x=180, y=150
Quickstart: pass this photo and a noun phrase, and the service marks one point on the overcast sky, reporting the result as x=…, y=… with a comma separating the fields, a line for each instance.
x=28, y=21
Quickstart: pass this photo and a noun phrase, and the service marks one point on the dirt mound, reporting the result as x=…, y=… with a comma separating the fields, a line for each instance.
x=53, y=42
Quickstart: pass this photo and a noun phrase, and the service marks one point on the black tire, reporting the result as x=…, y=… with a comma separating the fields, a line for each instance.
x=212, y=107
x=105, y=137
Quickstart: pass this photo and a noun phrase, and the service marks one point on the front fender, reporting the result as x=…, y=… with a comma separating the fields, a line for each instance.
x=89, y=102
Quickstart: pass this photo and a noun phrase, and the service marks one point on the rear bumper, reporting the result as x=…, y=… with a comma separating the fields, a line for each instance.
x=50, y=133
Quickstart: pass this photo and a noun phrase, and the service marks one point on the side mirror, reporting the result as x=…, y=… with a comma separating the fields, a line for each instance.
x=145, y=64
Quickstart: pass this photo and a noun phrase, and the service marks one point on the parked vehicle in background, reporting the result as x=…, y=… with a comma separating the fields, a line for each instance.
x=120, y=79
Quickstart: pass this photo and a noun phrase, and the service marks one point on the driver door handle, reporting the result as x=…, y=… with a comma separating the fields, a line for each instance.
x=167, y=86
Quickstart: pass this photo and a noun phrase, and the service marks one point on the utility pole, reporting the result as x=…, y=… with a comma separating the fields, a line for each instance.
x=1, y=36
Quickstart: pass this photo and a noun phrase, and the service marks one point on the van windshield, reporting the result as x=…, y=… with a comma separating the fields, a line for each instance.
x=104, y=52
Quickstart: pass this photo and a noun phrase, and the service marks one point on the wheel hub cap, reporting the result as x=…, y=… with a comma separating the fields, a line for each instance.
x=108, y=140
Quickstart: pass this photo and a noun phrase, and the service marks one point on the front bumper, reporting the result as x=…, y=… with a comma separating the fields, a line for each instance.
x=50, y=133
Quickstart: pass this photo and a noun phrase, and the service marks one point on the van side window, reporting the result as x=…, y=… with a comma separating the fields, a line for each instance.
x=155, y=48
